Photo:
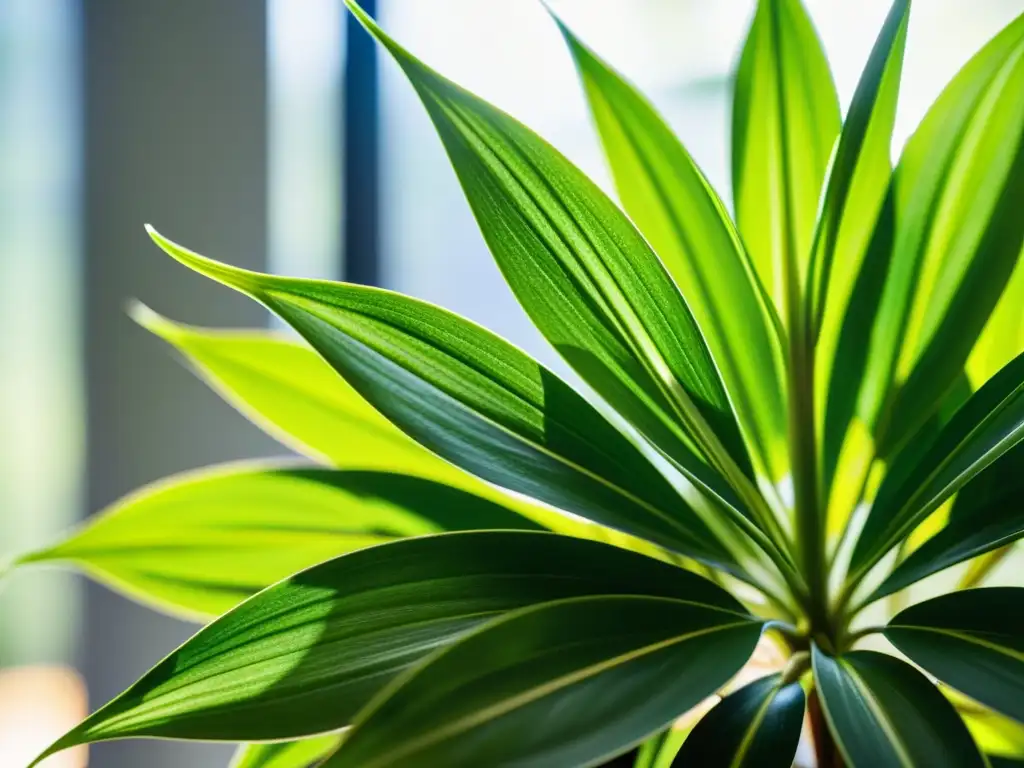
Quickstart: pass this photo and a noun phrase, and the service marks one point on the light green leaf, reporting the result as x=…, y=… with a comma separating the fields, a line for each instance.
x=1003, y=337
x=973, y=640
x=571, y=682
x=198, y=543
x=883, y=713
x=591, y=284
x=305, y=655
x=757, y=726
x=659, y=751
x=988, y=515
x=988, y=425
x=995, y=734
x=676, y=209
x=285, y=754
x=785, y=121
x=955, y=236
x=479, y=402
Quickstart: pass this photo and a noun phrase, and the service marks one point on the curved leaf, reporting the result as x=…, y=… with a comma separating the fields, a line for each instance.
x=1003, y=337
x=676, y=209
x=590, y=283
x=757, y=726
x=305, y=655
x=567, y=683
x=785, y=120
x=988, y=425
x=885, y=714
x=476, y=400
x=988, y=514
x=973, y=640
x=659, y=750
x=285, y=754
x=995, y=734
x=198, y=543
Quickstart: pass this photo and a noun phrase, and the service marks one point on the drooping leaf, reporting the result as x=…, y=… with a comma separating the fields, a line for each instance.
x=954, y=239
x=757, y=726
x=590, y=283
x=679, y=213
x=988, y=514
x=285, y=754
x=988, y=425
x=883, y=713
x=198, y=543
x=305, y=655
x=476, y=400
x=973, y=640
x=567, y=683
x=785, y=120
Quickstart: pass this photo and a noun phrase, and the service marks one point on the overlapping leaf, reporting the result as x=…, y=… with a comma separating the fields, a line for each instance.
x=785, y=120
x=305, y=655
x=676, y=209
x=757, y=726
x=566, y=683
x=973, y=640
x=883, y=713
x=285, y=754
x=198, y=543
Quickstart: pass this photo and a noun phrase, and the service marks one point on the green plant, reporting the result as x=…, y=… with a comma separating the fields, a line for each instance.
x=817, y=407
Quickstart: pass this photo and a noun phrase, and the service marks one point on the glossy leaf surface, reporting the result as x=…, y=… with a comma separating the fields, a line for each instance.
x=757, y=726
x=973, y=640
x=198, y=543
x=567, y=683
x=883, y=713
x=305, y=655
x=285, y=754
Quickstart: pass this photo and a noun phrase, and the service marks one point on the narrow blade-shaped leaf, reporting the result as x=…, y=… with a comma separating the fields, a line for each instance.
x=589, y=281
x=285, y=754
x=676, y=209
x=883, y=713
x=571, y=682
x=198, y=543
x=1003, y=337
x=659, y=751
x=785, y=120
x=303, y=656
x=757, y=726
x=988, y=425
x=479, y=402
x=988, y=514
x=973, y=640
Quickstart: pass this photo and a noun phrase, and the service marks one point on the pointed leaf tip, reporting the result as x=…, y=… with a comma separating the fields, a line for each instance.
x=242, y=280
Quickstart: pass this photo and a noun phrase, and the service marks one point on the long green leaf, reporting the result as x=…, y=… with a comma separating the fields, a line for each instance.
x=988, y=514
x=285, y=754
x=305, y=655
x=885, y=714
x=198, y=543
x=589, y=282
x=659, y=750
x=757, y=726
x=973, y=640
x=955, y=238
x=676, y=209
x=785, y=121
x=988, y=425
x=995, y=734
x=479, y=402
x=567, y=683
x=1003, y=337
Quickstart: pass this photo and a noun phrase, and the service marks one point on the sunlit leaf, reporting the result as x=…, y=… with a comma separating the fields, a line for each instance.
x=567, y=683
x=198, y=543
x=285, y=754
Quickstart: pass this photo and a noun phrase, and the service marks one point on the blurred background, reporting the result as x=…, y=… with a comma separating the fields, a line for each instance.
x=271, y=134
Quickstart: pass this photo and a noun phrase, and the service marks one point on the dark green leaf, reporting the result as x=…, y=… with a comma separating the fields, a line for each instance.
x=679, y=213
x=285, y=754
x=785, y=121
x=568, y=683
x=757, y=726
x=885, y=714
x=988, y=514
x=477, y=401
x=198, y=543
x=988, y=425
x=305, y=655
x=590, y=283
x=973, y=640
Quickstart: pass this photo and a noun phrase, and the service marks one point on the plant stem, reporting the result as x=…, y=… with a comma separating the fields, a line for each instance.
x=826, y=753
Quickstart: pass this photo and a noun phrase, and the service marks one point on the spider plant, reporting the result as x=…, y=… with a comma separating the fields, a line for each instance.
x=796, y=414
